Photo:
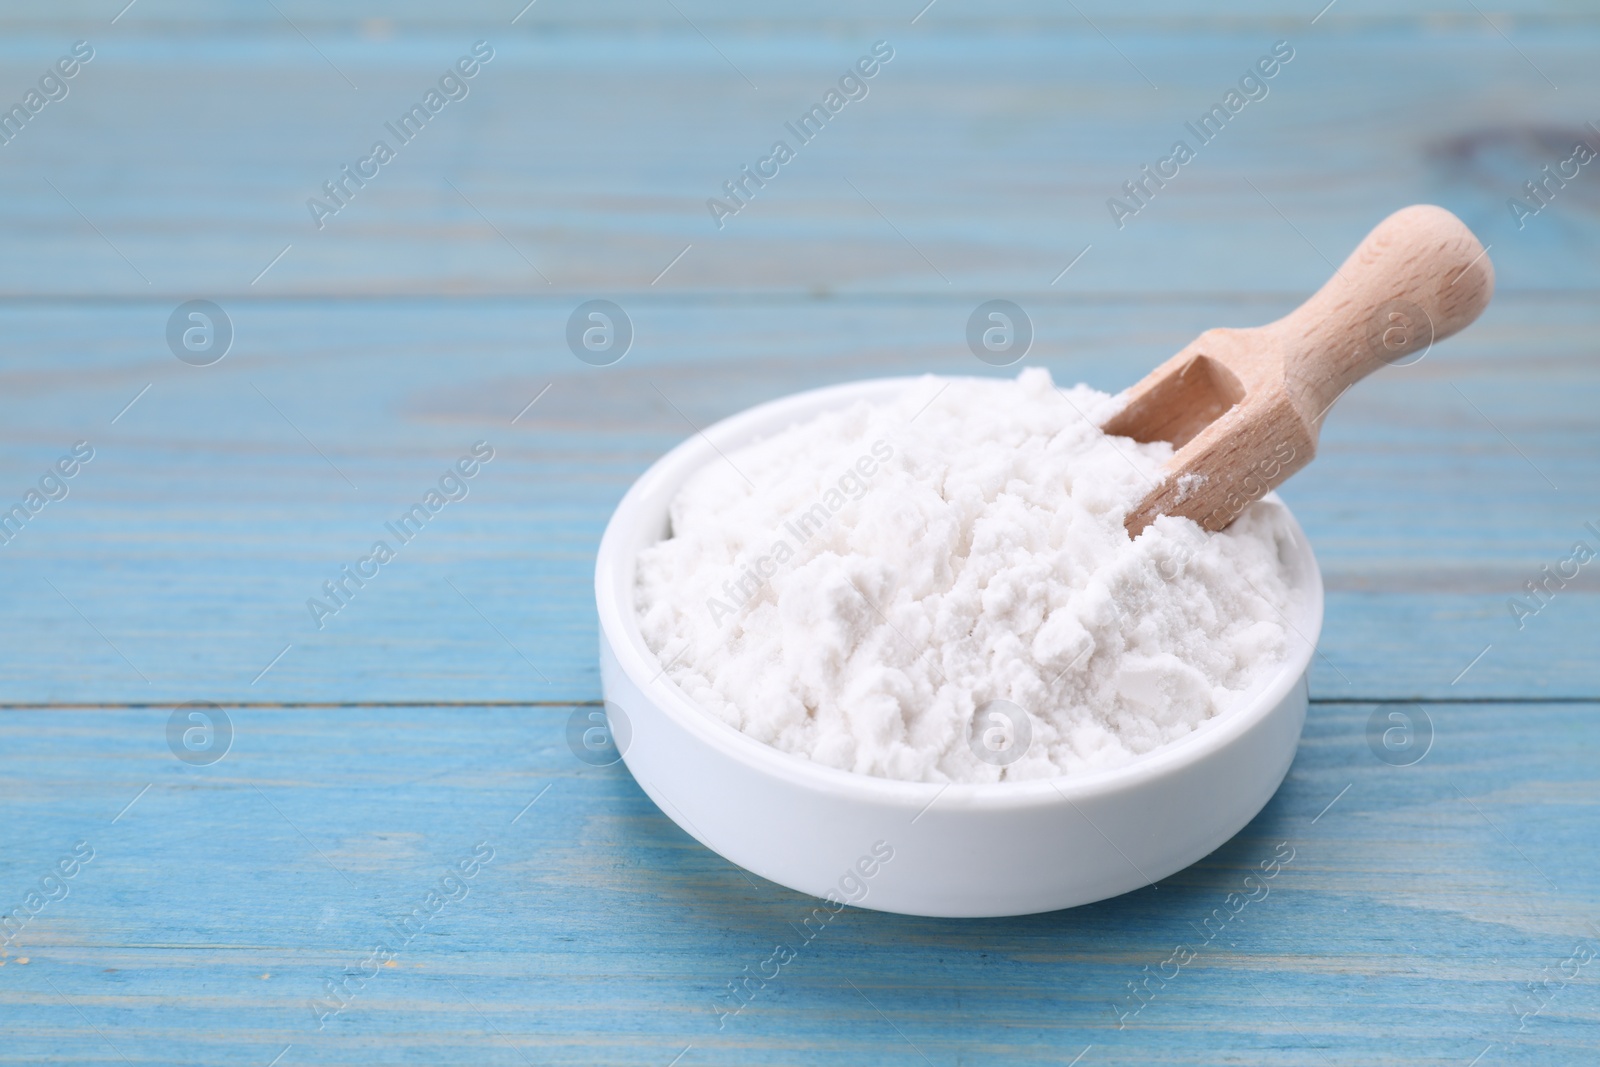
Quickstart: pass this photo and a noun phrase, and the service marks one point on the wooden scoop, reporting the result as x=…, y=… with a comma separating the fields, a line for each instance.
x=1243, y=407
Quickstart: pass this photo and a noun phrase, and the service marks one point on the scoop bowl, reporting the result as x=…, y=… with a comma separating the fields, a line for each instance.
x=948, y=850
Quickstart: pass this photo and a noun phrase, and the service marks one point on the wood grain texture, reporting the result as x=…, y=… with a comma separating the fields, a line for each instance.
x=589, y=157
x=377, y=350
x=1411, y=913
x=193, y=540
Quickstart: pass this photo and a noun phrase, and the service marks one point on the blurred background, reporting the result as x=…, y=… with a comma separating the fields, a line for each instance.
x=429, y=308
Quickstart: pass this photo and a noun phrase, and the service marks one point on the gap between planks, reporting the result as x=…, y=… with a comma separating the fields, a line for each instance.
x=725, y=297
x=90, y=705
x=116, y=705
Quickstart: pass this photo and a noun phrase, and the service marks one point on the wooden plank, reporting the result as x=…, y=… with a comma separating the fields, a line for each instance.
x=192, y=542
x=217, y=904
x=583, y=162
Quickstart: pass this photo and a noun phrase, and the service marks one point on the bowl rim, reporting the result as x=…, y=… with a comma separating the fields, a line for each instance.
x=620, y=633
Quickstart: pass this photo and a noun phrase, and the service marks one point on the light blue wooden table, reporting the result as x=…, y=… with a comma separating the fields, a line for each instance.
x=1440, y=906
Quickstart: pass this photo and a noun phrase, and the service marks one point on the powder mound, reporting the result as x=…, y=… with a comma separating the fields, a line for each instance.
x=857, y=588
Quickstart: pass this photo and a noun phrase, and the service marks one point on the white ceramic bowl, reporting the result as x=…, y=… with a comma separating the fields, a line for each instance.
x=915, y=848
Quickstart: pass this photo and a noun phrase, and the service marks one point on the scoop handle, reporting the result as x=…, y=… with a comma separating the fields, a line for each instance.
x=1417, y=278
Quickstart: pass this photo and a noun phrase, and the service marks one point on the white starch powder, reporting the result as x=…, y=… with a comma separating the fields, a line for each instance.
x=896, y=567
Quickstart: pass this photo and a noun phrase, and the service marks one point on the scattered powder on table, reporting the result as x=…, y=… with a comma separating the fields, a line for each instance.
x=889, y=569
